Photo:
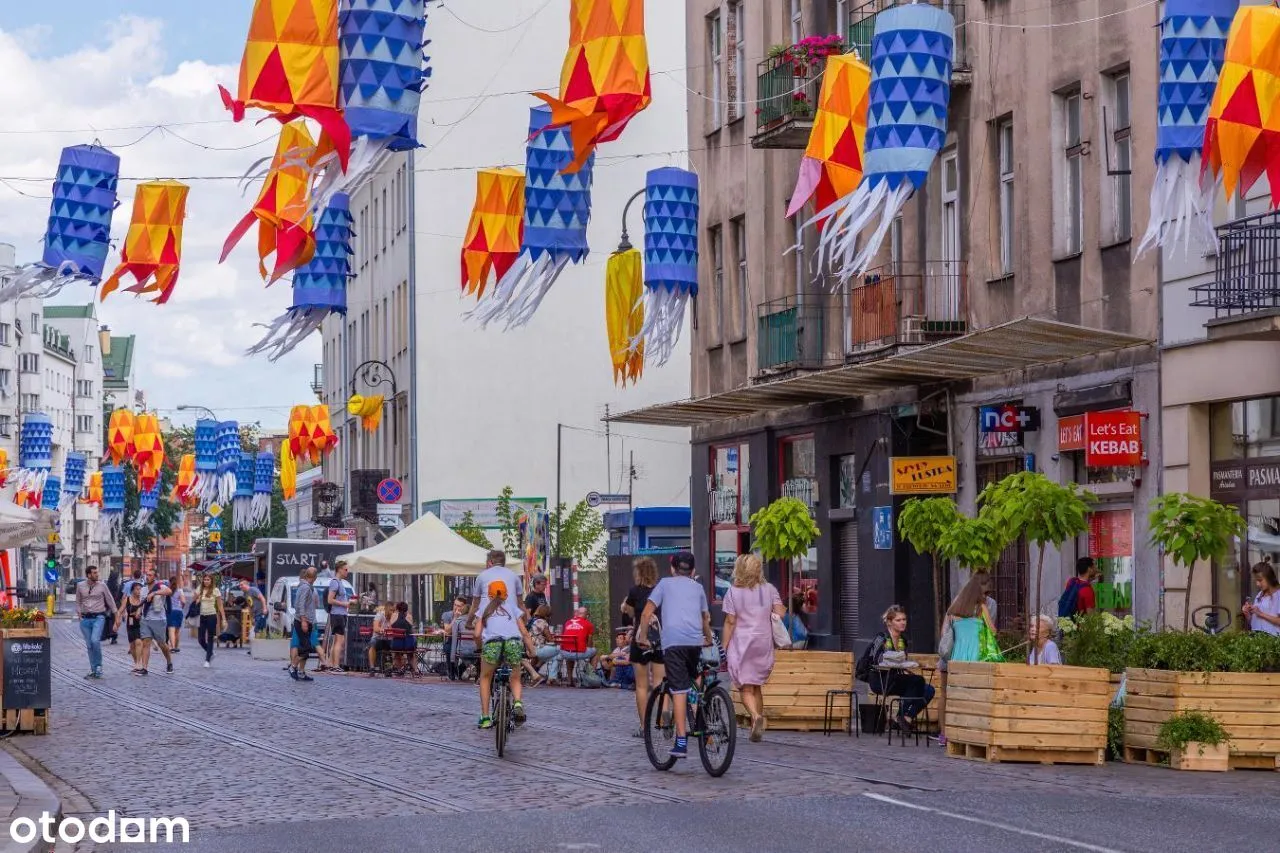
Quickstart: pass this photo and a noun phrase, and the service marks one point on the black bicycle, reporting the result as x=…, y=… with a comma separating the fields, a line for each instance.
x=711, y=722
x=502, y=707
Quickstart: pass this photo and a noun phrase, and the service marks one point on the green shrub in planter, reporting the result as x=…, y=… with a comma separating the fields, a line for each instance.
x=783, y=530
x=1115, y=734
x=1190, y=727
x=1098, y=639
x=1193, y=651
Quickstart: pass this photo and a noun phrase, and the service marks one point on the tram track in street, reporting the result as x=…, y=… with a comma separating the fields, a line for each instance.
x=239, y=739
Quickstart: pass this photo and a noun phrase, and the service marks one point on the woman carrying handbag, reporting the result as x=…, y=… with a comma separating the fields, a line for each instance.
x=962, y=632
x=752, y=610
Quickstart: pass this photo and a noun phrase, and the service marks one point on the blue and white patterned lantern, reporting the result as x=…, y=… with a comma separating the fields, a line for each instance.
x=911, y=58
x=52, y=496
x=670, y=257
x=1193, y=41
x=557, y=209
x=264, y=478
x=206, y=440
x=73, y=474
x=227, y=448
x=112, y=516
x=35, y=452
x=242, y=502
x=319, y=287
x=148, y=500
x=79, y=231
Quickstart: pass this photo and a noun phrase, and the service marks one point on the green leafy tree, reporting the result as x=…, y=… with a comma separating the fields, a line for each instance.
x=922, y=522
x=472, y=532
x=1032, y=505
x=579, y=535
x=974, y=543
x=784, y=530
x=1188, y=529
x=508, y=520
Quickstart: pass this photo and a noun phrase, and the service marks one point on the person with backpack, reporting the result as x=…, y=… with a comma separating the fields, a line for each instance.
x=885, y=667
x=155, y=620
x=1077, y=598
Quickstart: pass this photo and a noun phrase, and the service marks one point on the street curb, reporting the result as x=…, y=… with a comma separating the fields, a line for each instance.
x=35, y=799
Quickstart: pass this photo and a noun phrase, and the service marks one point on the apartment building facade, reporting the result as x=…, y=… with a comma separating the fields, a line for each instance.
x=1007, y=283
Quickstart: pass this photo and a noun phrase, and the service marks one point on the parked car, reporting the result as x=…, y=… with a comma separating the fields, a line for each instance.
x=285, y=591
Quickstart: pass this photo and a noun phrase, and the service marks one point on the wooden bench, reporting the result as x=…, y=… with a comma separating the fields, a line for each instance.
x=795, y=695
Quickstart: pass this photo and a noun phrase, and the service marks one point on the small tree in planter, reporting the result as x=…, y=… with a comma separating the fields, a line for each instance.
x=784, y=530
x=1189, y=529
x=922, y=522
x=1185, y=736
x=1047, y=513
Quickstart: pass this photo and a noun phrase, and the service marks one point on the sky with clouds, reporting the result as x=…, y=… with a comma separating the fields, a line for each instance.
x=79, y=70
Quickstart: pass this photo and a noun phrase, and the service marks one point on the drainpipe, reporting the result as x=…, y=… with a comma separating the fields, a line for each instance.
x=413, y=340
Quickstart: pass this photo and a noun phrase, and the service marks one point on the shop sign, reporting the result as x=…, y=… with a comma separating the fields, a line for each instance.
x=1113, y=439
x=1240, y=479
x=922, y=475
x=882, y=529
x=1071, y=433
x=1008, y=418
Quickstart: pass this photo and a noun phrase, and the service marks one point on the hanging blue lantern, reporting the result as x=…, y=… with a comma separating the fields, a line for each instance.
x=206, y=440
x=557, y=209
x=79, y=231
x=264, y=478
x=670, y=257
x=148, y=500
x=242, y=502
x=1193, y=41
x=112, y=516
x=319, y=287
x=52, y=496
x=227, y=448
x=35, y=452
x=911, y=57
x=73, y=473
x=382, y=73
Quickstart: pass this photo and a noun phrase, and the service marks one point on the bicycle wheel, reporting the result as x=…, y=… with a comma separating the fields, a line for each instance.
x=660, y=728
x=501, y=715
x=718, y=731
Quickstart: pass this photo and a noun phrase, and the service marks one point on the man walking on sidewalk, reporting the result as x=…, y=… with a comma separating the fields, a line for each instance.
x=94, y=601
x=304, y=619
x=155, y=620
x=337, y=601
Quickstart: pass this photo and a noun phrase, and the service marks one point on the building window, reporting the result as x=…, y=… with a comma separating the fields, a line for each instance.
x=798, y=267
x=843, y=22
x=1004, y=142
x=88, y=354
x=738, y=65
x=28, y=362
x=35, y=323
x=4, y=334
x=84, y=388
x=385, y=229
x=1073, y=175
x=743, y=283
x=1122, y=158
x=6, y=382
x=895, y=246
x=797, y=21
x=798, y=478
x=6, y=426
x=730, y=498
x=30, y=402
x=84, y=423
x=717, y=279
x=715, y=50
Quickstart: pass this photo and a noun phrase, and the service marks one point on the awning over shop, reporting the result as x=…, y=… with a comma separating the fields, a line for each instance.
x=1015, y=345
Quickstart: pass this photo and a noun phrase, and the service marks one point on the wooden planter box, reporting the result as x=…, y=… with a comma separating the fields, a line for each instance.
x=1247, y=705
x=41, y=630
x=796, y=693
x=1201, y=756
x=1017, y=712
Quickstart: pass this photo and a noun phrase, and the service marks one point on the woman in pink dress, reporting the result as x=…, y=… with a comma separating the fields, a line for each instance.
x=749, y=607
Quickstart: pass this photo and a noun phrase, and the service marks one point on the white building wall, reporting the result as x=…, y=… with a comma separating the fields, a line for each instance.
x=9, y=402
x=488, y=402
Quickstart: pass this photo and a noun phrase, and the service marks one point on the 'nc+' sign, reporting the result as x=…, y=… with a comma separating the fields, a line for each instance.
x=1008, y=418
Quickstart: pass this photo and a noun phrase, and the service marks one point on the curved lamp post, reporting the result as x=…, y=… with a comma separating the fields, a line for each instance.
x=372, y=375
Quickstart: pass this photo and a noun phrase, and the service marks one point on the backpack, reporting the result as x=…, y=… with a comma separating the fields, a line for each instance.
x=1068, y=603
x=863, y=669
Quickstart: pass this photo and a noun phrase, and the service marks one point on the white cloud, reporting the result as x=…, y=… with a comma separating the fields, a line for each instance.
x=190, y=350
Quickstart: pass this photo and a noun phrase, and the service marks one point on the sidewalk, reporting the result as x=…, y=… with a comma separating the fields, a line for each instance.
x=23, y=795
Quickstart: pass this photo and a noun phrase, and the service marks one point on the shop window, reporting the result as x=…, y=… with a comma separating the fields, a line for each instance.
x=799, y=469
x=1226, y=431
x=848, y=475
x=1110, y=543
x=730, y=512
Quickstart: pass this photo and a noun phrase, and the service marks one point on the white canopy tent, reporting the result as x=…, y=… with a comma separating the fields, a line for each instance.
x=21, y=526
x=426, y=547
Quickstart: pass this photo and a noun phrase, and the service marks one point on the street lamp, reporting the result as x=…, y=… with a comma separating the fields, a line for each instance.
x=185, y=407
x=624, y=245
x=372, y=375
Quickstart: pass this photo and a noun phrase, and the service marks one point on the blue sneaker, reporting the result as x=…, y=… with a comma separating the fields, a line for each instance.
x=681, y=749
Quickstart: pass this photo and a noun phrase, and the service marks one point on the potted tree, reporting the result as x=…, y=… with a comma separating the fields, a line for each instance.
x=795, y=694
x=1188, y=529
x=922, y=521
x=1194, y=741
x=1047, y=513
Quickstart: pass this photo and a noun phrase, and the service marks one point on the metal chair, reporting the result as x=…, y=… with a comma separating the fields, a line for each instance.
x=828, y=714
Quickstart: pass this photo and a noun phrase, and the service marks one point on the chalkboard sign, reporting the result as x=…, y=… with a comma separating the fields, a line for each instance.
x=27, y=668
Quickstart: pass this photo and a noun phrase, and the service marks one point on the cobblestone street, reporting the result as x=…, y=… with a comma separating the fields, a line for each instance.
x=242, y=752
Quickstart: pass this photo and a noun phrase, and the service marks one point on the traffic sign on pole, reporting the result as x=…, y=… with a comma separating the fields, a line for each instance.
x=390, y=491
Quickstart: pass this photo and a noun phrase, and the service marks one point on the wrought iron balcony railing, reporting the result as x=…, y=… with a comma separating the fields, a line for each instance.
x=905, y=304
x=1247, y=272
x=862, y=26
x=789, y=335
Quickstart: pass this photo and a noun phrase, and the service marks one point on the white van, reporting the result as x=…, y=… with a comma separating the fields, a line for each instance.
x=285, y=591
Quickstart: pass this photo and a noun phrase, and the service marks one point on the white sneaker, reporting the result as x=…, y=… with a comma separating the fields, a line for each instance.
x=206, y=665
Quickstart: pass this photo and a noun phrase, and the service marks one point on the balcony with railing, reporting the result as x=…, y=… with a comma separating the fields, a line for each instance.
x=788, y=84
x=905, y=305
x=862, y=26
x=1245, y=291
x=789, y=335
